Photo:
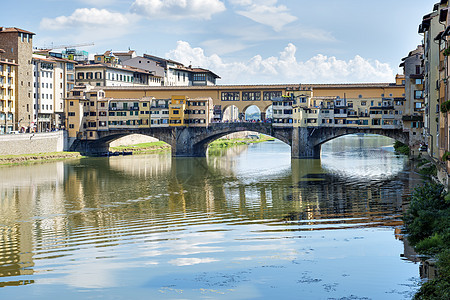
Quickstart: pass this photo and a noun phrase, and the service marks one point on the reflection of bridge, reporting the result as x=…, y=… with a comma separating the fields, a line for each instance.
x=193, y=141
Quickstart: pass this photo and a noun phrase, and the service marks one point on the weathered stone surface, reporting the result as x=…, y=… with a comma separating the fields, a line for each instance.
x=25, y=143
x=193, y=141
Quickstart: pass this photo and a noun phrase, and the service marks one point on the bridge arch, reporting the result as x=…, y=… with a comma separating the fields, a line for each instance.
x=230, y=113
x=325, y=134
x=252, y=112
x=200, y=142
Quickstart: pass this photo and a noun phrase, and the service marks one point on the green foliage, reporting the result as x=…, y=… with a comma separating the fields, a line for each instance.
x=427, y=222
x=446, y=52
x=438, y=288
x=420, y=218
x=446, y=156
x=429, y=171
x=401, y=148
x=445, y=106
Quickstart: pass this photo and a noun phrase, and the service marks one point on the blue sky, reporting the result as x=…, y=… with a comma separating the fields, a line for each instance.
x=243, y=41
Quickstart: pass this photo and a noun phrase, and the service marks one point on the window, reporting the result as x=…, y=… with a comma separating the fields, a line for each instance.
x=230, y=96
x=251, y=96
x=199, y=77
x=71, y=114
x=268, y=96
x=176, y=112
x=89, y=75
x=418, y=105
x=71, y=103
x=98, y=75
x=80, y=75
x=418, y=94
x=71, y=126
x=418, y=81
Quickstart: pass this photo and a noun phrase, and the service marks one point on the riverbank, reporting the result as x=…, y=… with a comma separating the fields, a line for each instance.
x=7, y=160
x=224, y=142
x=156, y=147
x=427, y=222
x=143, y=148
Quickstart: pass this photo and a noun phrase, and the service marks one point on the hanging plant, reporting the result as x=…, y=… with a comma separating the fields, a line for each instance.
x=447, y=52
x=445, y=106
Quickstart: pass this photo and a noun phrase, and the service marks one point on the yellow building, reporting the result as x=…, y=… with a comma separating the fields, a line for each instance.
x=177, y=109
x=7, y=95
x=199, y=112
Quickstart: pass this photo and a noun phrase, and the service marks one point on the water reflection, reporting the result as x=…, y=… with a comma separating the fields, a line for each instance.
x=213, y=226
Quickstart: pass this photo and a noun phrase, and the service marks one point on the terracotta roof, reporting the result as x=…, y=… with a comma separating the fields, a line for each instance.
x=126, y=68
x=14, y=29
x=7, y=62
x=36, y=57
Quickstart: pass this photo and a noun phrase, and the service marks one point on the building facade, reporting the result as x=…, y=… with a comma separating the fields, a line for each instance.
x=7, y=94
x=18, y=46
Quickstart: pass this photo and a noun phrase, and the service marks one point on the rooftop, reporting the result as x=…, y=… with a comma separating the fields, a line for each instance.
x=14, y=29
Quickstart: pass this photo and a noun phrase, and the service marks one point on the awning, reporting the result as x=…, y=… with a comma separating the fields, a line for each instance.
x=443, y=15
x=439, y=36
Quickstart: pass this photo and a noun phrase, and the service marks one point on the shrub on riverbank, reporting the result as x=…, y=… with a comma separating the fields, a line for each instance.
x=224, y=143
x=143, y=148
x=427, y=222
x=36, y=157
x=401, y=148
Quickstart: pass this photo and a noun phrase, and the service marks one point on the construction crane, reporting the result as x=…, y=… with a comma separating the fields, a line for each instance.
x=71, y=46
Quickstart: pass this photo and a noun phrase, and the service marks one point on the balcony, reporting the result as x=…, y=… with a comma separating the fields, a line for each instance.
x=412, y=118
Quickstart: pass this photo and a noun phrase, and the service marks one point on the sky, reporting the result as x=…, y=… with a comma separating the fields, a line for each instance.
x=242, y=41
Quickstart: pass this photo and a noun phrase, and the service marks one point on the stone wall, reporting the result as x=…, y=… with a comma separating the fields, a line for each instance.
x=25, y=143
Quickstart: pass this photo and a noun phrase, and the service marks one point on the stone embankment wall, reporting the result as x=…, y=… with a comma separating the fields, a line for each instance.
x=29, y=143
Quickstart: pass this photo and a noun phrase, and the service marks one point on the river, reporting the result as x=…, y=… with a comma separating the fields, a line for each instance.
x=244, y=223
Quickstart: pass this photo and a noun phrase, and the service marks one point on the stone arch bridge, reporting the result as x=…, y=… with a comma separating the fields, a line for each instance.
x=193, y=141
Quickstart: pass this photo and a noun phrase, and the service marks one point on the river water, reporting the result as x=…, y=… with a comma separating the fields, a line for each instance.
x=244, y=223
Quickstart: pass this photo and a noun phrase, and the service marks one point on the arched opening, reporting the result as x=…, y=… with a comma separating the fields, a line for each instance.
x=362, y=155
x=230, y=114
x=268, y=114
x=252, y=113
x=138, y=143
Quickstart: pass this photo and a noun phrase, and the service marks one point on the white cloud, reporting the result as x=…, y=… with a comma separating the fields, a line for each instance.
x=177, y=9
x=285, y=68
x=265, y=12
x=98, y=2
x=86, y=17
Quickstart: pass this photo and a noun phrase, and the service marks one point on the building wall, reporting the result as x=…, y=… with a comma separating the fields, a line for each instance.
x=7, y=96
x=431, y=91
x=21, y=52
x=217, y=93
x=18, y=144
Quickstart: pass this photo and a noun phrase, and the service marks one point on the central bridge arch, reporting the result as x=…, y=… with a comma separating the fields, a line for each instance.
x=195, y=141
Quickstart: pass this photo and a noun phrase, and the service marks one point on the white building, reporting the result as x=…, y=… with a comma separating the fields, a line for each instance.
x=43, y=93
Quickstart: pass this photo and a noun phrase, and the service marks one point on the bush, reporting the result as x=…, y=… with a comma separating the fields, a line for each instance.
x=401, y=148
x=445, y=106
x=427, y=222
